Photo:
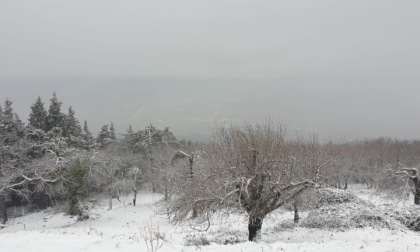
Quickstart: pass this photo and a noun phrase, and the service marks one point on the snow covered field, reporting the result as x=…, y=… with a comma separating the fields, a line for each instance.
x=125, y=228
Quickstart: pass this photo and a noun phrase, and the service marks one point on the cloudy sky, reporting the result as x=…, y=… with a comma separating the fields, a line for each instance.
x=345, y=69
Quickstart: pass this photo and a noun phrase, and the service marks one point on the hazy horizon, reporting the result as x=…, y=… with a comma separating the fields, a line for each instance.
x=343, y=69
x=191, y=107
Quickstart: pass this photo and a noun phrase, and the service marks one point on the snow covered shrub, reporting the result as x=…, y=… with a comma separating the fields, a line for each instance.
x=196, y=240
x=349, y=215
x=408, y=216
x=218, y=237
x=285, y=225
x=412, y=223
x=338, y=209
x=316, y=197
x=230, y=236
x=313, y=198
x=330, y=196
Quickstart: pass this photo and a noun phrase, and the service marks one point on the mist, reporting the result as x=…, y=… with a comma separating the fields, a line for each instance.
x=342, y=69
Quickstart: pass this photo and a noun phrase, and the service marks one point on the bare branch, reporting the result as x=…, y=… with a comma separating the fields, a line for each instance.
x=180, y=155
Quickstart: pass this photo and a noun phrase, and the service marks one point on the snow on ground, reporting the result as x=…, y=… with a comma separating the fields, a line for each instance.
x=125, y=228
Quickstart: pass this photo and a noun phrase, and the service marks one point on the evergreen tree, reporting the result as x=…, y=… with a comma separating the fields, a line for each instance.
x=72, y=125
x=130, y=130
x=85, y=139
x=87, y=136
x=112, y=132
x=38, y=115
x=19, y=123
x=8, y=112
x=55, y=118
x=11, y=127
x=19, y=126
x=129, y=138
x=7, y=123
x=1, y=117
x=85, y=128
x=104, y=136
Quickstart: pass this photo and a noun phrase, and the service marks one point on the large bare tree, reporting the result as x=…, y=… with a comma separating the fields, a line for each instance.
x=253, y=168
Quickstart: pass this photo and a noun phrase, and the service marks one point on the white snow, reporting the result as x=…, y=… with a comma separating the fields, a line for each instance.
x=124, y=229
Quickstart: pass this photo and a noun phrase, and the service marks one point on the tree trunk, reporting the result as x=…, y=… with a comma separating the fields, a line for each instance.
x=135, y=196
x=3, y=210
x=254, y=228
x=416, y=191
x=346, y=182
x=194, y=213
x=296, y=210
x=110, y=201
x=135, y=186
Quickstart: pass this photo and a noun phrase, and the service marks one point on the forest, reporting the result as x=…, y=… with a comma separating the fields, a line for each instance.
x=250, y=169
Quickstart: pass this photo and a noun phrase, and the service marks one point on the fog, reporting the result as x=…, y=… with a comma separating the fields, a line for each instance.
x=343, y=69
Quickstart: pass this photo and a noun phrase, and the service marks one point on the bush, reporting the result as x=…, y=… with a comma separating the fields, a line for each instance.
x=313, y=198
x=409, y=217
x=74, y=184
x=349, y=215
x=197, y=241
x=331, y=196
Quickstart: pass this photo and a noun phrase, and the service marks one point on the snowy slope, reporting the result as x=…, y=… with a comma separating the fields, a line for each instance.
x=124, y=229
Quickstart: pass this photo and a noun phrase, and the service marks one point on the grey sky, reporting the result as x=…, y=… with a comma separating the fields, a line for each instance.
x=342, y=68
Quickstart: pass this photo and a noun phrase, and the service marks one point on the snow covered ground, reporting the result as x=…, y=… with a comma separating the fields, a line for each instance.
x=127, y=228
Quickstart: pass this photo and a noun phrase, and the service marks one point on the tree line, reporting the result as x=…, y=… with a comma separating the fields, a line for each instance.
x=54, y=159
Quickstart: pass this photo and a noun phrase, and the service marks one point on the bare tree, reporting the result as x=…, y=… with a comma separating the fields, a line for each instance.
x=253, y=168
x=190, y=158
x=114, y=171
x=412, y=174
x=18, y=170
x=150, y=143
x=24, y=181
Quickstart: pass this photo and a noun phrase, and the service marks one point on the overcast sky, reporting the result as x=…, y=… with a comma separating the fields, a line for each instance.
x=345, y=69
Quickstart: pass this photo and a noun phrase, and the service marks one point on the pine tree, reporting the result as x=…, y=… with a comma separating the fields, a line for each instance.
x=7, y=123
x=86, y=137
x=1, y=116
x=130, y=130
x=38, y=115
x=86, y=133
x=128, y=138
x=112, y=132
x=8, y=110
x=17, y=120
x=103, y=137
x=72, y=125
x=55, y=118
x=19, y=126
x=11, y=127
